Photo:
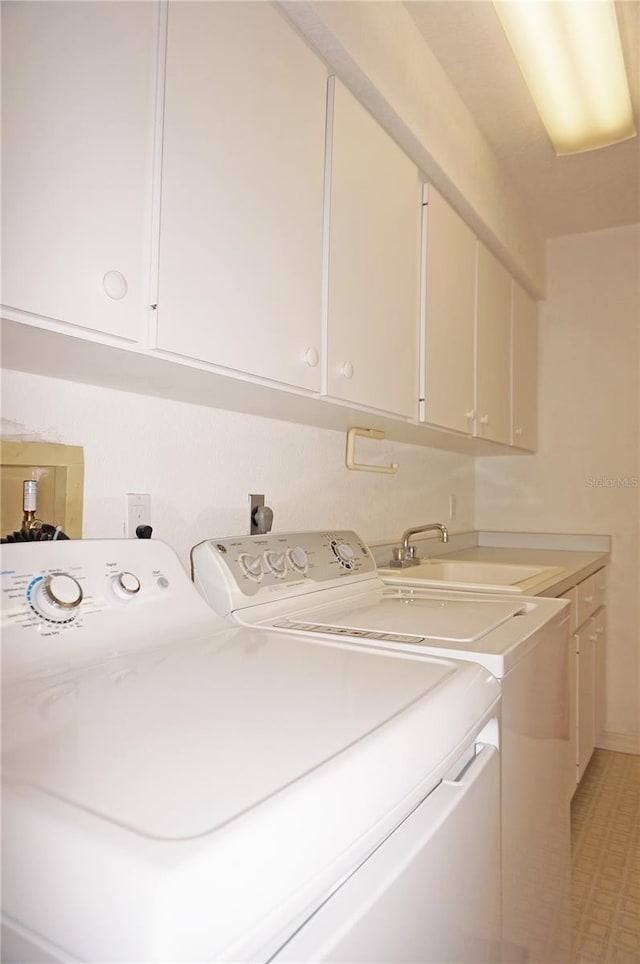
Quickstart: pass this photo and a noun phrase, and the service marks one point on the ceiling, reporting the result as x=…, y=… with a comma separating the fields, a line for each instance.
x=565, y=195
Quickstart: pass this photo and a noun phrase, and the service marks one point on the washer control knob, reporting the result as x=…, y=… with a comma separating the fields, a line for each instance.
x=57, y=597
x=344, y=553
x=298, y=558
x=126, y=585
x=276, y=562
x=251, y=566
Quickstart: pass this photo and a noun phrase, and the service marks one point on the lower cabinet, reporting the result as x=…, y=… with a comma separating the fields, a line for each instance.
x=586, y=696
x=599, y=624
x=587, y=669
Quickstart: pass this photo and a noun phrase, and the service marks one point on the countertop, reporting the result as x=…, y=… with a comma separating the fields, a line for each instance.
x=577, y=555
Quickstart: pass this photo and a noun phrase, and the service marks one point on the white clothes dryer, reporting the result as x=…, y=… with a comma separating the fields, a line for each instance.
x=177, y=789
x=325, y=585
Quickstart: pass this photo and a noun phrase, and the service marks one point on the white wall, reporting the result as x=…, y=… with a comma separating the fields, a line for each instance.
x=589, y=442
x=199, y=465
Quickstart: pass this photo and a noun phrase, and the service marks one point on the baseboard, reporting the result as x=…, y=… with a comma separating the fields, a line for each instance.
x=620, y=742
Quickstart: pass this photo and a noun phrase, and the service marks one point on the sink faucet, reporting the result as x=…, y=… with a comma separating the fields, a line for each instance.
x=405, y=555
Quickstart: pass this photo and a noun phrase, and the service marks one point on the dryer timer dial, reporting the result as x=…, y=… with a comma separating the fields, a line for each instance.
x=57, y=597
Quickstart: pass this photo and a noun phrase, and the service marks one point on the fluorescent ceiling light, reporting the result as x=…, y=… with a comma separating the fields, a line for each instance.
x=570, y=55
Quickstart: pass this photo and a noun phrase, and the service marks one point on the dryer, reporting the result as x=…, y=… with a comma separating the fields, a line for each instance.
x=325, y=585
x=179, y=789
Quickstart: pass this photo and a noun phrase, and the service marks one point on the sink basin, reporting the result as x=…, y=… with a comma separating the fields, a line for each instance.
x=496, y=573
x=477, y=576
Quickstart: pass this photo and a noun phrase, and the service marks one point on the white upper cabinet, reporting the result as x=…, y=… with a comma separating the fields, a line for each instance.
x=78, y=105
x=449, y=267
x=524, y=372
x=493, y=349
x=240, y=276
x=373, y=262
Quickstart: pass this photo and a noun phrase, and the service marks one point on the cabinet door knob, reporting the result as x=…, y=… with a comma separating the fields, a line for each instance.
x=347, y=370
x=517, y=431
x=470, y=415
x=484, y=419
x=115, y=285
x=311, y=357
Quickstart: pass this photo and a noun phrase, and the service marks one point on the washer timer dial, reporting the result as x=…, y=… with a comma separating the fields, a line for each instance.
x=343, y=553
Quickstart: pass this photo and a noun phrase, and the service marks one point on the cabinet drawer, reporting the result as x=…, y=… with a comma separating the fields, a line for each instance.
x=586, y=599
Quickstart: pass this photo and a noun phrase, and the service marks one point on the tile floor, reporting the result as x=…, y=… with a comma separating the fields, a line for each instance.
x=605, y=846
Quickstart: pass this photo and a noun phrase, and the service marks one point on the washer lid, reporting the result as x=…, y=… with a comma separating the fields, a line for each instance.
x=175, y=742
x=416, y=613
x=495, y=632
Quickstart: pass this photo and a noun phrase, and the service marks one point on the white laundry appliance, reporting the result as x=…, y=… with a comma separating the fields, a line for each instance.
x=325, y=585
x=179, y=789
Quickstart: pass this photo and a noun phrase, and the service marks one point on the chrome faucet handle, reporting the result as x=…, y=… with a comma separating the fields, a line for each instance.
x=405, y=555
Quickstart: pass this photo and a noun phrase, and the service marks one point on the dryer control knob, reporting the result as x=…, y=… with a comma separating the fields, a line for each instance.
x=57, y=597
x=125, y=585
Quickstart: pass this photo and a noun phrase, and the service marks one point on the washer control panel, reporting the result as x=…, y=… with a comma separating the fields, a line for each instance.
x=237, y=571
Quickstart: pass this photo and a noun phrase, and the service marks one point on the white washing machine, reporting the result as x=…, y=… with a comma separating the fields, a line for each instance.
x=325, y=585
x=179, y=789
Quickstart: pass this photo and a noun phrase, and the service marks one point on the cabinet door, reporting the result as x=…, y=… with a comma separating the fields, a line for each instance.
x=449, y=269
x=572, y=596
x=586, y=599
x=240, y=278
x=574, y=762
x=600, y=588
x=373, y=268
x=493, y=349
x=599, y=635
x=77, y=159
x=524, y=370
x=586, y=697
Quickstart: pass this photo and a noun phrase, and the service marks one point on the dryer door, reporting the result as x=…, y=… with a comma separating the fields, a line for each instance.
x=430, y=892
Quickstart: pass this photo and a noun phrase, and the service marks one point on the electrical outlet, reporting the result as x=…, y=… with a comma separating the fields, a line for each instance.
x=138, y=512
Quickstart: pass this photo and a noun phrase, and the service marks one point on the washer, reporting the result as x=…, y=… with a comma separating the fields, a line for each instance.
x=179, y=789
x=326, y=586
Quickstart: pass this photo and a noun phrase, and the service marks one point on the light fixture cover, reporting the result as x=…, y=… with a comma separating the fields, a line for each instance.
x=570, y=55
